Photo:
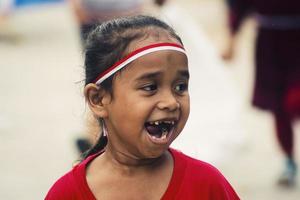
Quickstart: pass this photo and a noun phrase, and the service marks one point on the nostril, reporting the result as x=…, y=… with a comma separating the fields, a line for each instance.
x=169, y=105
x=176, y=106
x=168, y=101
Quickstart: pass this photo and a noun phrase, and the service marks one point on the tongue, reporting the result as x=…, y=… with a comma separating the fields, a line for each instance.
x=154, y=131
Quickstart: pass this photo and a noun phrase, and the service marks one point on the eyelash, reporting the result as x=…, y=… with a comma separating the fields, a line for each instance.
x=150, y=87
x=179, y=88
x=182, y=87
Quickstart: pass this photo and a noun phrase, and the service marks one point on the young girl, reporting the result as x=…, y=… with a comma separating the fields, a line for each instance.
x=137, y=86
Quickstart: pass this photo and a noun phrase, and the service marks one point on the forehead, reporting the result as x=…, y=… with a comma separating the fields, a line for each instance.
x=166, y=64
x=151, y=36
x=161, y=61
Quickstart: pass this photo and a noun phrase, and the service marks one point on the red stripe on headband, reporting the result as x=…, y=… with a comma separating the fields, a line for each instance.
x=133, y=54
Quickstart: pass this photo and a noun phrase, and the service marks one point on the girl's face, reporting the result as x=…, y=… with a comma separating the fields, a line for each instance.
x=150, y=103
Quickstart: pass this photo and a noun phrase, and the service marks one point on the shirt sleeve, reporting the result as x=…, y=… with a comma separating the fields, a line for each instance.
x=62, y=190
x=222, y=190
x=218, y=187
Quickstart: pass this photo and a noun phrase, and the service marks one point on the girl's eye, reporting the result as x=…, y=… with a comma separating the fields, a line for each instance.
x=180, y=88
x=150, y=88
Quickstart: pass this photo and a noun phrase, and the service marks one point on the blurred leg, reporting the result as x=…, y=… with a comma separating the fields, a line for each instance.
x=289, y=62
x=285, y=136
x=284, y=132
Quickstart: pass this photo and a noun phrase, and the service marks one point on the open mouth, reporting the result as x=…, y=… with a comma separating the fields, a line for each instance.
x=159, y=130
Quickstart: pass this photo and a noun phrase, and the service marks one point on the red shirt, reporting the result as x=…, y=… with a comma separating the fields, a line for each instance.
x=191, y=179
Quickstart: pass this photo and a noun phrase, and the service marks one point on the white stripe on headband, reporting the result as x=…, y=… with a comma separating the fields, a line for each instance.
x=135, y=55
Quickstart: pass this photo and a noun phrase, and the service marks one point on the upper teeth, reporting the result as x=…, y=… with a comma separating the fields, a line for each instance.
x=160, y=122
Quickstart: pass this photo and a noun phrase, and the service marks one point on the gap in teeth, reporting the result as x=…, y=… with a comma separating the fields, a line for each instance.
x=164, y=130
x=160, y=122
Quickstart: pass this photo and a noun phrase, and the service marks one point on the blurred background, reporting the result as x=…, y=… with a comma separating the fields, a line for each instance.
x=43, y=112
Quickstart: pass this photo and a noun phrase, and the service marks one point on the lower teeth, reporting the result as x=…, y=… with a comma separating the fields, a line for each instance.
x=162, y=137
x=158, y=132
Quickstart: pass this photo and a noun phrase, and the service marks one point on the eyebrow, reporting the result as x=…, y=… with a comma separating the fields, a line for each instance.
x=184, y=73
x=151, y=75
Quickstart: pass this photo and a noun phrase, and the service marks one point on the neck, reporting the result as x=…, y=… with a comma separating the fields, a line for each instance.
x=129, y=163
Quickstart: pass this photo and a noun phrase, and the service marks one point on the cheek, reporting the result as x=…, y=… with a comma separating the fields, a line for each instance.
x=186, y=106
x=185, y=111
x=133, y=109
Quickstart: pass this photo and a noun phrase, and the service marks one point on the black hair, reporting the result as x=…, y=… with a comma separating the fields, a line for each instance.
x=107, y=44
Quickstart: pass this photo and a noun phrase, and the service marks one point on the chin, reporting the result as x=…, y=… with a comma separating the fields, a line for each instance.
x=156, y=152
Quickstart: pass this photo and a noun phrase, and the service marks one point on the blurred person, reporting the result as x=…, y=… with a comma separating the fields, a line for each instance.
x=90, y=13
x=136, y=84
x=277, y=61
x=5, y=8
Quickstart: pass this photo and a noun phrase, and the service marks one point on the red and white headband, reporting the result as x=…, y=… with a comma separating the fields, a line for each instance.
x=135, y=55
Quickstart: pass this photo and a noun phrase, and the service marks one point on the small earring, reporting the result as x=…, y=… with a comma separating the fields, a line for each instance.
x=104, y=130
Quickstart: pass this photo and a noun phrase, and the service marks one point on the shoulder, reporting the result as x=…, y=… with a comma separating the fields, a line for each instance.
x=63, y=188
x=200, y=168
x=73, y=185
x=199, y=175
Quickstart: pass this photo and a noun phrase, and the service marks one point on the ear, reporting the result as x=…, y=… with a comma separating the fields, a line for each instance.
x=98, y=99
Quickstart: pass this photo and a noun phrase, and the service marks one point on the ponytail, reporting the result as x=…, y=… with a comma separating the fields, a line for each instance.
x=100, y=144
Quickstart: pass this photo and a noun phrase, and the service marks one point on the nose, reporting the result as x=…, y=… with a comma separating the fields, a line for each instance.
x=168, y=102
